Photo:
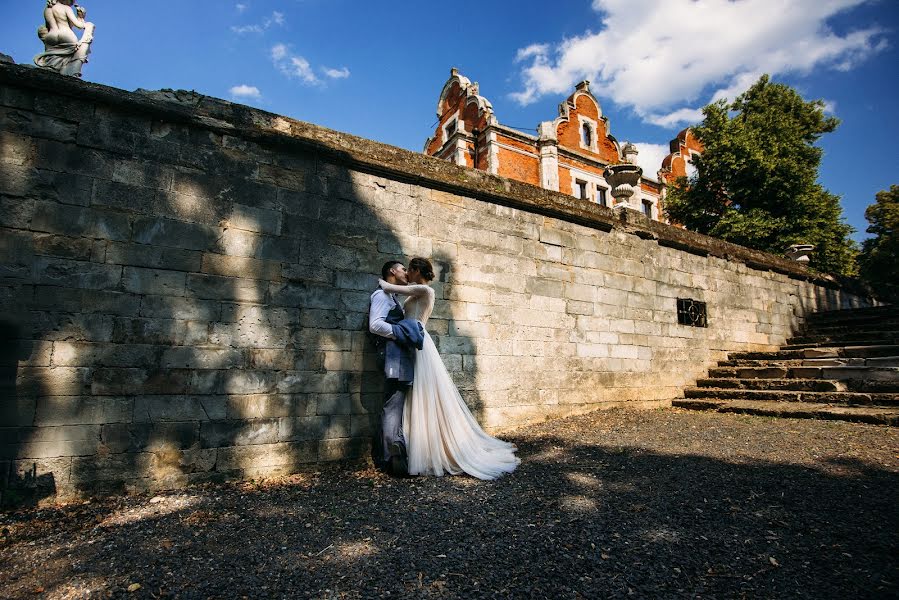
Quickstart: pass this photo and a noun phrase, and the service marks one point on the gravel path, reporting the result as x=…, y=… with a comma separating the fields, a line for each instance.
x=658, y=504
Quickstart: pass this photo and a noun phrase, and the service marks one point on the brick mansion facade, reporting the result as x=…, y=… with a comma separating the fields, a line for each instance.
x=567, y=155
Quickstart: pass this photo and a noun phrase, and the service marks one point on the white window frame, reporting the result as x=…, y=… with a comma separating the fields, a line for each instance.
x=460, y=127
x=582, y=120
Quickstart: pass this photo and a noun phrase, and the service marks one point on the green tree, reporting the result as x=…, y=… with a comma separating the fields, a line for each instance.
x=756, y=180
x=879, y=260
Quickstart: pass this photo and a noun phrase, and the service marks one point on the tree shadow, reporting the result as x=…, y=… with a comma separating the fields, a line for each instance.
x=576, y=520
x=211, y=320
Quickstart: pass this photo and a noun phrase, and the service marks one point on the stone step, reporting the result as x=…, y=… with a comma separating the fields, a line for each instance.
x=797, y=385
x=796, y=410
x=866, y=327
x=824, y=341
x=801, y=385
x=853, y=314
x=821, y=352
x=883, y=361
x=851, y=398
x=871, y=374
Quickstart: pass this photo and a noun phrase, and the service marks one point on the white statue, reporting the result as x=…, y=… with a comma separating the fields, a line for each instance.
x=63, y=51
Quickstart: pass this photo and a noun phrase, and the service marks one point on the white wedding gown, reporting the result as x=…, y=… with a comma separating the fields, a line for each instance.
x=442, y=436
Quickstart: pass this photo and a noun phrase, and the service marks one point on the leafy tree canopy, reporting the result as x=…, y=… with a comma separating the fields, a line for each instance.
x=756, y=180
x=879, y=259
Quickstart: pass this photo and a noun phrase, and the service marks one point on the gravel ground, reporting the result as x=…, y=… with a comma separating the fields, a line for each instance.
x=658, y=504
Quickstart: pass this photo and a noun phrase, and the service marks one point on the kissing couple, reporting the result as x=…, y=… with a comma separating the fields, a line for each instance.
x=426, y=428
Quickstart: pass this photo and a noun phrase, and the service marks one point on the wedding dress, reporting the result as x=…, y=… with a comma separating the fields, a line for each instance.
x=442, y=436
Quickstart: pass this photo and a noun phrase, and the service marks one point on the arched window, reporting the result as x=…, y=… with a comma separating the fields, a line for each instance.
x=587, y=135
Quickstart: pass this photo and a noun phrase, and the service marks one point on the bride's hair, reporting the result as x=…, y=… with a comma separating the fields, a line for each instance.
x=423, y=266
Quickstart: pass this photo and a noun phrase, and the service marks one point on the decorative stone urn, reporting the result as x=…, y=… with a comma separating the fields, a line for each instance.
x=800, y=252
x=623, y=178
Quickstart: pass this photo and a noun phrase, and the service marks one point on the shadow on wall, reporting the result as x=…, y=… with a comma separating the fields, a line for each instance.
x=623, y=521
x=200, y=312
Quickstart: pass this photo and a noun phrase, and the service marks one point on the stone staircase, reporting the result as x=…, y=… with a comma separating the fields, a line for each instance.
x=845, y=365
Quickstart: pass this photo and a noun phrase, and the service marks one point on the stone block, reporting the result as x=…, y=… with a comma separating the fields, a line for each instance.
x=17, y=411
x=142, y=255
x=153, y=281
x=47, y=475
x=334, y=404
x=237, y=266
x=94, y=471
x=176, y=234
x=198, y=460
x=112, y=194
x=250, y=218
x=159, y=331
x=196, y=357
x=249, y=335
x=293, y=429
x=107, y=381
x=154, y=409
x=217, y=434
x=226, y=288
x=258, y=406
x=75, y=410
x=52, y=381
x=87, y=354
x=142, y=173
x=191, y=309
x=244, y=459
x=51, y=217
x=70, y=159
x=63, y=246
x=76, y=274
x=16, y=213
x=248, y=382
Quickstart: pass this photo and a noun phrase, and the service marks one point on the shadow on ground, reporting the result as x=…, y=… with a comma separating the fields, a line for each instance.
x=586, y=516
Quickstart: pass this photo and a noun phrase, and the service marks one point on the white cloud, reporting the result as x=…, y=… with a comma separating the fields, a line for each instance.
x=663, y=57
x=276, y=18
x=650, y=157
x=279, y=52
x=241, y=7
x=341, y=73
x=830, y=107
x=246, y=92
x=242, y=29
x=293, y=65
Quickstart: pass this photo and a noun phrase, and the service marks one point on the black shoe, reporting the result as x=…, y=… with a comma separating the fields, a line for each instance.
x=399, y=466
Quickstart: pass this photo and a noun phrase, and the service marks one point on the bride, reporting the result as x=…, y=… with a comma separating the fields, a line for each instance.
x=441, y=434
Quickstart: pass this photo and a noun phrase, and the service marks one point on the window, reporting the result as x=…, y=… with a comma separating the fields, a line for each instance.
x=691, y=312
x=450, y=129
x=647, y=209
x=586, y=135
x=580, y=189
x=601, y=196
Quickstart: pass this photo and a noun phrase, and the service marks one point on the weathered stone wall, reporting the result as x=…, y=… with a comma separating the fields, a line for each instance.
x=184, y=285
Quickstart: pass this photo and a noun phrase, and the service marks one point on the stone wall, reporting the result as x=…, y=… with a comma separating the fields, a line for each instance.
x=184, y=286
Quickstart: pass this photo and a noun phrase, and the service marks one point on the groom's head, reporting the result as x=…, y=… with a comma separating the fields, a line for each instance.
x=394, y=272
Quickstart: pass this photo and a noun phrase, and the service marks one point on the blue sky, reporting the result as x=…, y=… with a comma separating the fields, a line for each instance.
x=375, y=69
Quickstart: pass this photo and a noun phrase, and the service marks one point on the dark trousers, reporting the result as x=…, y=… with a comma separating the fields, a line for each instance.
x=392, y=415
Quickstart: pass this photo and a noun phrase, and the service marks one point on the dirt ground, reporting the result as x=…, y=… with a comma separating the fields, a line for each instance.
x=654, y=504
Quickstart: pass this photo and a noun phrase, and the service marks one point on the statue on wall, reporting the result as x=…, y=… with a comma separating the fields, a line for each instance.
x=63, y=51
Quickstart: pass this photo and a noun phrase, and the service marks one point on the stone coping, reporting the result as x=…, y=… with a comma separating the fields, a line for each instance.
x=377, y=158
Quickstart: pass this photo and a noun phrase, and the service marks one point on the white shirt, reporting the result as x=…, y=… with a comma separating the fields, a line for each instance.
x=381, y=304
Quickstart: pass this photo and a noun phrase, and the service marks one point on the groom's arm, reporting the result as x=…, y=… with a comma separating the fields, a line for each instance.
x=377, y=315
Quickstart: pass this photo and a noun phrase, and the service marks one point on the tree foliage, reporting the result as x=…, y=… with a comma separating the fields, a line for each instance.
x=879, y=260
x=756, y=180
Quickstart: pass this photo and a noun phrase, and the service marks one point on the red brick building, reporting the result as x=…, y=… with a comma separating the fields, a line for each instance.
x=568, y=154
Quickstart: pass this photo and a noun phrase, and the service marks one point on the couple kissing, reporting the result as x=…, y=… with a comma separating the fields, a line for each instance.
x=426, y=427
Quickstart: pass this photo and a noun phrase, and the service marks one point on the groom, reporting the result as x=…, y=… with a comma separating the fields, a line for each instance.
x=384, y=314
